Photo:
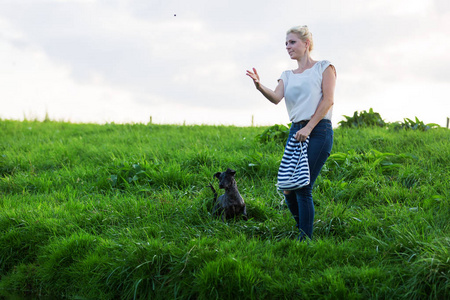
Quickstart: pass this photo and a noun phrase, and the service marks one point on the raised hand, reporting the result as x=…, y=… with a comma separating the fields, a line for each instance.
x=254, y=75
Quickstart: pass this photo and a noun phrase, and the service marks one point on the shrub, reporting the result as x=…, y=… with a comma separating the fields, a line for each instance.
x=409, y=124
x=276, y=133
x=363, y=119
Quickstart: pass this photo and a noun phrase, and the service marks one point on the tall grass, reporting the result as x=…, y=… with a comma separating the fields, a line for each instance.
x=123, y=211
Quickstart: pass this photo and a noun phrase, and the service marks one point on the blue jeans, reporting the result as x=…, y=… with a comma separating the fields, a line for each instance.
x=300, y=201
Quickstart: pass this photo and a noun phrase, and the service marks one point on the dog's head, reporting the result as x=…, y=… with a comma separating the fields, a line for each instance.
x=226, y=179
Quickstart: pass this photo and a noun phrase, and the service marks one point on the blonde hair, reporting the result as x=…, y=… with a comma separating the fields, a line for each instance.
x=304, y=34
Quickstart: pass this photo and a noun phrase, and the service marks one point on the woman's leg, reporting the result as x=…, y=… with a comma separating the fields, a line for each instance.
x=290, y=196
x=319, y=148
x=291, y=201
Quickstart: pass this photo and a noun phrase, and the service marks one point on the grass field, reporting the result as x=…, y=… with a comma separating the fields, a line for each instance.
x=123, y=211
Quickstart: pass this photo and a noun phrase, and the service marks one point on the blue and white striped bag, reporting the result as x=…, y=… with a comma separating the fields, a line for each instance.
x=294, y=168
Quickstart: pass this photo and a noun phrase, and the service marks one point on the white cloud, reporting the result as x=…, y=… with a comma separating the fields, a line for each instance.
x=133, y=59
x=34, y=85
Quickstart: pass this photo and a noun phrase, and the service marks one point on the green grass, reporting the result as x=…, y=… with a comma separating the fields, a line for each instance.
x=123, y=211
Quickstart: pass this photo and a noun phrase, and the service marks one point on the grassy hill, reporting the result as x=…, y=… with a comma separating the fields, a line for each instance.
x=123, y=211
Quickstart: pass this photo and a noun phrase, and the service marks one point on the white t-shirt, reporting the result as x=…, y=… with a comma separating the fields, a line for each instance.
x=303, y=92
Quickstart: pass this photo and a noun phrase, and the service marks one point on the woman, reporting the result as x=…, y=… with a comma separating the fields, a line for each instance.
x=309, y=94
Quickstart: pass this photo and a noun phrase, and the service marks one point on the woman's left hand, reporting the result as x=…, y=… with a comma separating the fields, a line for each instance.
x=302, y=134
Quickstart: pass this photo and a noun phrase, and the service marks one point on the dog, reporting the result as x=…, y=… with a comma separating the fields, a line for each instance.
x=230, y=204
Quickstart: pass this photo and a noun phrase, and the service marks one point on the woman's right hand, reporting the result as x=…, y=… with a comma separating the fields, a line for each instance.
x=273, y=96
x=254, y=75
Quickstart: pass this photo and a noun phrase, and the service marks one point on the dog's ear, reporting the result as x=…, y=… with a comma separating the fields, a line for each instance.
x=217, y=175
x=231, y=172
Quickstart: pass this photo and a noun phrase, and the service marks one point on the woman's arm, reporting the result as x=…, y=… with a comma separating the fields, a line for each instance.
x=273, y=96
x=328, y=85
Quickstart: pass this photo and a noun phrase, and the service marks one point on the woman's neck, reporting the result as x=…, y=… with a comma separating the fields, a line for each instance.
x=304, y=63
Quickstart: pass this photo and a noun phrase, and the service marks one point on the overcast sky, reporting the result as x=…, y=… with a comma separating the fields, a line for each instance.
x=184, y=61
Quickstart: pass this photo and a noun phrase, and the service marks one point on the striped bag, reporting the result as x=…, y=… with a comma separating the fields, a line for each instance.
x=294, y=168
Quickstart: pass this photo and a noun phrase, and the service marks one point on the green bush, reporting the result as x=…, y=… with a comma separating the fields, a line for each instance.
x=409, y=124
x=276, y=133
x=373, y=119
x=363, y=119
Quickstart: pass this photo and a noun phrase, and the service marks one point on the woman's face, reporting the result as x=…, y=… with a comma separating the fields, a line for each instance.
x=295, y=47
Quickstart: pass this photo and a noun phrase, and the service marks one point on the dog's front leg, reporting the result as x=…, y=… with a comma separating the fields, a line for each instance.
x=244, y=214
